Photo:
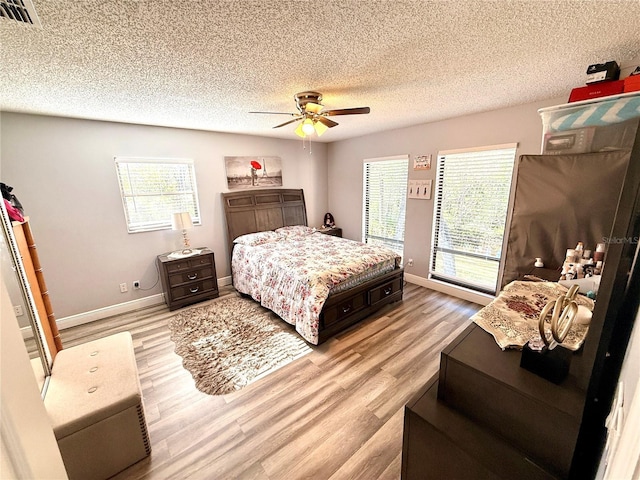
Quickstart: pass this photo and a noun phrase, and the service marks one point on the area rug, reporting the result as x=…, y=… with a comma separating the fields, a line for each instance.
x=230, y=342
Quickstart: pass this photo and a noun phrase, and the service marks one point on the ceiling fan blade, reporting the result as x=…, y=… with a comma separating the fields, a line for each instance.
x=287, y=123
x=325, y=121
x=347, y=111
x=276, y=113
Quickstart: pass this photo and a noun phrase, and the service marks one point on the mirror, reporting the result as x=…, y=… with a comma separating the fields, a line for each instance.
x=15, y=279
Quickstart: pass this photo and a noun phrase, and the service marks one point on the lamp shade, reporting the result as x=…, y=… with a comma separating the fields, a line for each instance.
x=181, y=221
x=320, y=128
x=298, y=131
x=312, y=107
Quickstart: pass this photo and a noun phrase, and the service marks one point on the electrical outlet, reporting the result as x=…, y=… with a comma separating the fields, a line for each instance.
x=18, y=310
x=123, y=287
x=410, y=262
x=136, y=284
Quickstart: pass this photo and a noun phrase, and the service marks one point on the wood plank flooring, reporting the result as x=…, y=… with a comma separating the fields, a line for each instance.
x=336, y=413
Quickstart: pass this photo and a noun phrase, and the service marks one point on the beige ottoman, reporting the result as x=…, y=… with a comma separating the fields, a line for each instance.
x=94, y=401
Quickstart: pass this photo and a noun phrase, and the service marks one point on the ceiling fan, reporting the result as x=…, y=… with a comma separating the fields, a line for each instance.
x=311, y=116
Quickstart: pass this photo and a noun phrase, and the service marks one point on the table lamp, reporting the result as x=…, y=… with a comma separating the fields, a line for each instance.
x=182, y=221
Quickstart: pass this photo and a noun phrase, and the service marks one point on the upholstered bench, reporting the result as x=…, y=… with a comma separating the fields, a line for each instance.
x=94, y=401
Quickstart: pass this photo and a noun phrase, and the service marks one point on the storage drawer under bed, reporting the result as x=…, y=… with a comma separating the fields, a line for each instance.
x=342, y=310
x=383, y=292
x=368, y=296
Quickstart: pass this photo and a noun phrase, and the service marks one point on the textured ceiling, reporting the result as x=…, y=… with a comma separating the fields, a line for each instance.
x=206, y=64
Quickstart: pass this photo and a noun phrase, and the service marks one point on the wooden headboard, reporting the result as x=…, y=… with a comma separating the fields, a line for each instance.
x=251, y=211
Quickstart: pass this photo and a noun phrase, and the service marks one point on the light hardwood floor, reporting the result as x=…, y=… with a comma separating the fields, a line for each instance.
x=335, y=413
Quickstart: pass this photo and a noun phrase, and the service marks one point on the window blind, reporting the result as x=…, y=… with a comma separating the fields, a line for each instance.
x=153, y=189
x=385, y=194
x=472, y=198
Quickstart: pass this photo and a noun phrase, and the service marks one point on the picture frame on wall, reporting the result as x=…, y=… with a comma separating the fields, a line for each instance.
x=245, y=172
x=422, y=162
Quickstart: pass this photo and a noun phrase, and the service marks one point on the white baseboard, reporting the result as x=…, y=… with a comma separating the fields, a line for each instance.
x=104, y=312
x=100, y=313
x=453, y=290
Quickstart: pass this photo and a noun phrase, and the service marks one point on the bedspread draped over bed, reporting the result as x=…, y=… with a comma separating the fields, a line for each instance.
x=293, y=273
x=512, y=318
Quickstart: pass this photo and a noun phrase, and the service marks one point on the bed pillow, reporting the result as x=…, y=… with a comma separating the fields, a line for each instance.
x=295, y=230
x=258, y=238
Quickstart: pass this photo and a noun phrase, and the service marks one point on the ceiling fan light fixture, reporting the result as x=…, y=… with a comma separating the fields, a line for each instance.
x=311, y=114
x=299, y=131
x=307, y=127
x=320, y=128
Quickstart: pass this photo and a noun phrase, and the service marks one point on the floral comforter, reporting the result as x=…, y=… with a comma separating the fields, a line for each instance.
x=293, y=274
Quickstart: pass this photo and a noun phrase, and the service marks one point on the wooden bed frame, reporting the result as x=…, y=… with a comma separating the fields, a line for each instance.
x=251, y=211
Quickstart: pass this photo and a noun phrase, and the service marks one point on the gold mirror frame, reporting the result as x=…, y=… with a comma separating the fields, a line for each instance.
x=21, y=295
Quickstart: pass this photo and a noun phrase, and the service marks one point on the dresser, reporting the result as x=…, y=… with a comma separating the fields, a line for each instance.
x=483, y=415
x=188, y=280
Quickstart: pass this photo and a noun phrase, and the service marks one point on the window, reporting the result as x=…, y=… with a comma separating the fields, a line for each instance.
x=472, y=197
x=385, y=196
x=153, y=189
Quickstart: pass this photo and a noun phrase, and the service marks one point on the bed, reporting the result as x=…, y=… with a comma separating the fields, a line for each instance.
x=273, y=244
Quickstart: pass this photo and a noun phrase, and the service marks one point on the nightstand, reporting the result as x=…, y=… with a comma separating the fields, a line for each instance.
x=188, y=280
x=334, y=231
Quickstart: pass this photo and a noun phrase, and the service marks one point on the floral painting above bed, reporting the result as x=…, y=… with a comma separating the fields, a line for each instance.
x=253, y=172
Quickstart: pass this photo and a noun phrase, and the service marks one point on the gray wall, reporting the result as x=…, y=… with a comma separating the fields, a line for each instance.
x=63, y=172
x=521, y=124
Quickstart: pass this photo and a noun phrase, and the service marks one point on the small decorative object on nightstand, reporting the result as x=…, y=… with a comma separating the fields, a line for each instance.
x=329, y=222
x=188, y=280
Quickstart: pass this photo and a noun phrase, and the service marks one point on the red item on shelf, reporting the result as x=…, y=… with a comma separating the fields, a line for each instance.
x=632, y=84
x=602, y=89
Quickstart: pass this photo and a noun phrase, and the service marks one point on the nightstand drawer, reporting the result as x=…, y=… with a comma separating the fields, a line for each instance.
x=191, y=289
x=189, y=263
x=190, y=276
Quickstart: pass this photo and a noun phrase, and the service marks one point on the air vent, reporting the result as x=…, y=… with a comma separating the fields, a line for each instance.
x=21, y=11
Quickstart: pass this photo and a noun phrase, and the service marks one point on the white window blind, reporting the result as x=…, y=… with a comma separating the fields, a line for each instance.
x=385, y=194
x=472, y=197
x=153, y=189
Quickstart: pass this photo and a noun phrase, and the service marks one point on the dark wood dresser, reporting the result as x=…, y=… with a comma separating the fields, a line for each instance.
x=188, y=280
x=483, y=416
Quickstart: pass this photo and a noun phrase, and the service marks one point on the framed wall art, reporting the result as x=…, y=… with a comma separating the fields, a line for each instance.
x=422, y=162
x=253, y=172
